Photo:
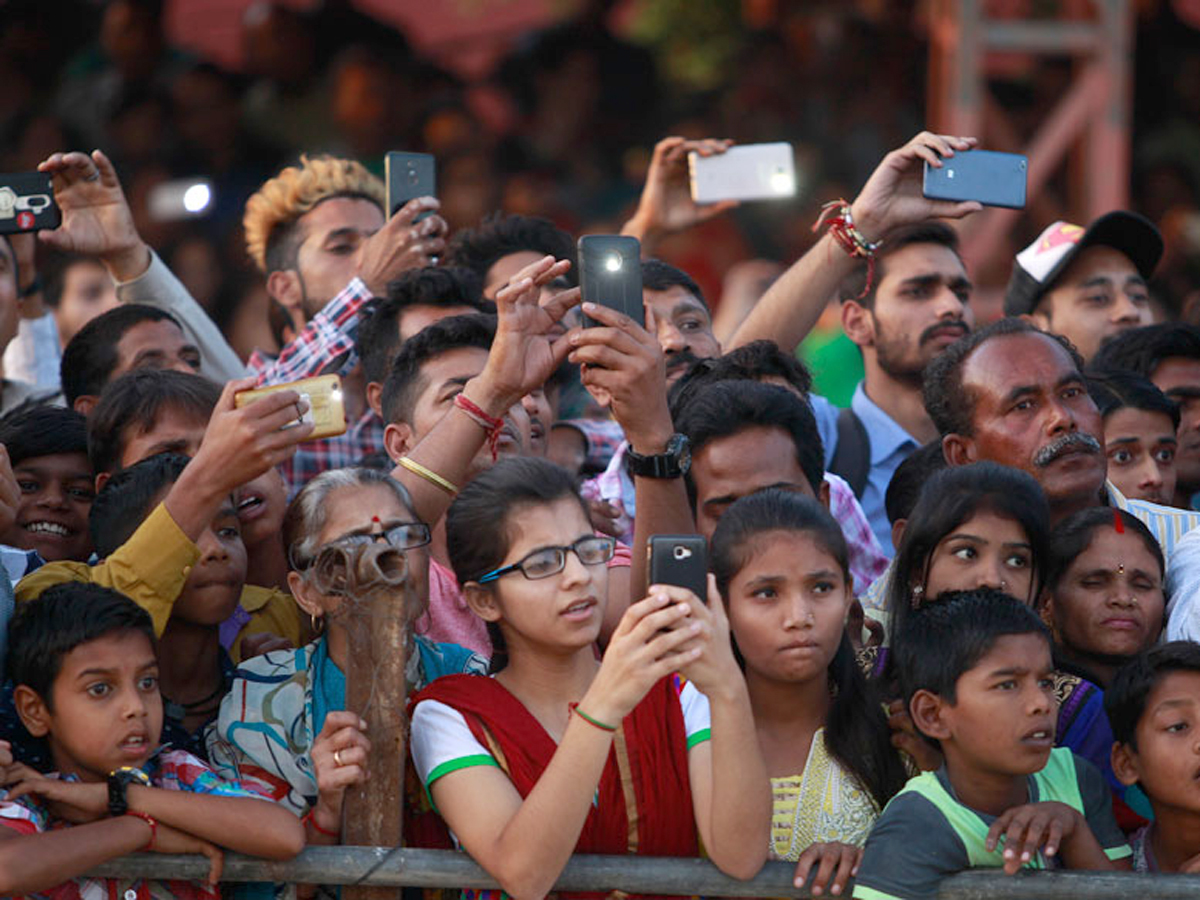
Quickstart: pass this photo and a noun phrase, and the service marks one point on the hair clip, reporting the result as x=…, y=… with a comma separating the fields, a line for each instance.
x=1117, y=523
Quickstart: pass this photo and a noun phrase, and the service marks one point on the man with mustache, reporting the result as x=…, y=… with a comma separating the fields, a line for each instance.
x=1016, y=395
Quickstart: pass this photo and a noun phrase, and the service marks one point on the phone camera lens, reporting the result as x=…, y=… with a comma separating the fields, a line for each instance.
x=682, y=553
x=613, y=263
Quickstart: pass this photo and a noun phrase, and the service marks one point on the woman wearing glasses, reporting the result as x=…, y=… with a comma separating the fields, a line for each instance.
x=560, y=751
x=283, y=727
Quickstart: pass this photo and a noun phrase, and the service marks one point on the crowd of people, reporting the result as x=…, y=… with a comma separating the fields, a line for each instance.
x=950, y=624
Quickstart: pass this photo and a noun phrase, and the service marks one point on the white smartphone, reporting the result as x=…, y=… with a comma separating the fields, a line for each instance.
x=744, y=172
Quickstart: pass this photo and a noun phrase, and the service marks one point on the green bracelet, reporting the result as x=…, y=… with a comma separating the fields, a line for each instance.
x=579, y=712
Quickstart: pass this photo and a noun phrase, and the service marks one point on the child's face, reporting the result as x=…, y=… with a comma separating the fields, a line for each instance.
x=1110, y=602
x=987, y=550
x=1140, y=445
x=214, y=586
x=52, y=511
x=1002, y=722
x=787, y=607
x=1167, y=760
x=107, y=709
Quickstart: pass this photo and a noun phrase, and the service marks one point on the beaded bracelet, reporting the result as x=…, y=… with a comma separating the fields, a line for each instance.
x=490, y=424
x=837, y=216
x=149, y=820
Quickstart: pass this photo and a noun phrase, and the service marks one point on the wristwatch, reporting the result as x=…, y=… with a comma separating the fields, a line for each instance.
x=672, y=463
x=118, y=781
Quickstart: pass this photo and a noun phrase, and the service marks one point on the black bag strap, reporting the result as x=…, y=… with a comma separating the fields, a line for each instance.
x=852, y=458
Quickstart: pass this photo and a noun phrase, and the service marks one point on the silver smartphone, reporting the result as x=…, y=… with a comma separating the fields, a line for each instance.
x=744, y=172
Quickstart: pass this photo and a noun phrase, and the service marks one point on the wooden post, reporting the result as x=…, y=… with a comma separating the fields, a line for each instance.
x=378, y=611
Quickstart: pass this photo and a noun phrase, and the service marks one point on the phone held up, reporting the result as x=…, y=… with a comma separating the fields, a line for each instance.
x=610, y=274
x=408, y=176
x=744, y=172
x=679, y=560
x=326, y=410
x=988, y=177
x=27, y=203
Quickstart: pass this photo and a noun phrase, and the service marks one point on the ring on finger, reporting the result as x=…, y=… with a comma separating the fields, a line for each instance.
x=337, y=757
x=92, y=176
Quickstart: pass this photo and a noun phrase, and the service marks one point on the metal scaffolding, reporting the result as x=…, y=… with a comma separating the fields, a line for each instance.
x=1089, y=126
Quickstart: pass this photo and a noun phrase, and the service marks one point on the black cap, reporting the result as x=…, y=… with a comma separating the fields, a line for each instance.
x=1038, y=266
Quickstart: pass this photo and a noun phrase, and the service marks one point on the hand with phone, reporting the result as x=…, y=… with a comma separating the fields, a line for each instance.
x=96, y=219
x=402, y=243
x=666, y=204
x=623, y=368
x=894, y=196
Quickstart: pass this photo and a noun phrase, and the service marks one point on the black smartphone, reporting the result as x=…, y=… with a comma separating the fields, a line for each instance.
x=27, y=203
x=610, y=274
x=680, y=560
x=408, y=175
x=991, y=178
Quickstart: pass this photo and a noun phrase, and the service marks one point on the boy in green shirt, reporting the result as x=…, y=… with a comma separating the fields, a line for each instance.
x=975, y=670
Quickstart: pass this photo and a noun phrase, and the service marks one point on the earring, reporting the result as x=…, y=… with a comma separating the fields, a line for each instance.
x=918, y=592
x=318, y=623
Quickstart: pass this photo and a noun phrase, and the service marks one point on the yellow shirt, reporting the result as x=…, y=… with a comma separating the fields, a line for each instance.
x=151, y=568
x=822, y=804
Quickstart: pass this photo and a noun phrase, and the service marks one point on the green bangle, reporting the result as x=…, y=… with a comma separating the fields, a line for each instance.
x=579, y=712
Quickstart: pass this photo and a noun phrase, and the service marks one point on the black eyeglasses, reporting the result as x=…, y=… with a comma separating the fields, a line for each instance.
x=404, y=536
x=547, y=561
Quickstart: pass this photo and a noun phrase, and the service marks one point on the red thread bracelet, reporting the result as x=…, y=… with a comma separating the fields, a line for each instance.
x=490, y=424
x=836, y=214
x=149, y=820
x=310, y=819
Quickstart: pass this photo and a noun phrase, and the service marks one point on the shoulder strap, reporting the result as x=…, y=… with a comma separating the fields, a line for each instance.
x=852, y=456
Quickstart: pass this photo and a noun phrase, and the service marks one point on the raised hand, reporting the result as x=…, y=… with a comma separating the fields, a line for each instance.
x=666, y=204
x=836, y=864
x=523, y=353
x=892, y=195
x=401, y=244
x=714, y=667
x=96, y=219
x=624, y=369
x=647, y=645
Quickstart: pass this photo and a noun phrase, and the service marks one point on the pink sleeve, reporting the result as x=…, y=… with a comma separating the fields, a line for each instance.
x=622, y=556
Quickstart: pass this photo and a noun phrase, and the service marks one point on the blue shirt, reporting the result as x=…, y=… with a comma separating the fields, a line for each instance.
x=890, y=446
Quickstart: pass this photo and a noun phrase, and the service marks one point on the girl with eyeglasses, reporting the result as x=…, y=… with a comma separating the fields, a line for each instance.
x=283, y=727
x=561, y=751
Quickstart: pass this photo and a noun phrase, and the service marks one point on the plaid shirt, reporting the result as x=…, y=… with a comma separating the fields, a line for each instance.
x=325, y=346
x=173, y=770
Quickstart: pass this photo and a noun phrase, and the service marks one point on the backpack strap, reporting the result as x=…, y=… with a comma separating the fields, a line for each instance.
x=852, y=457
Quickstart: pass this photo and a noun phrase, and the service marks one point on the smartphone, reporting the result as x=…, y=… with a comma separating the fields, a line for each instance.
x=326, y=411
x=27, y=203
x=680, y=560
x=409, y=175
x=184, y=198
x=610, y=274
x=991, y=178
x=744, y=172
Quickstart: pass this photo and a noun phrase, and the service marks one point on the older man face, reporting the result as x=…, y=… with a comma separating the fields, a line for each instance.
x=1032, y=411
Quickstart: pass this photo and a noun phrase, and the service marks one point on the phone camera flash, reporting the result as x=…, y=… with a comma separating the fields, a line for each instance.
x=613, y=263
x=197, y=197
x=783, y=183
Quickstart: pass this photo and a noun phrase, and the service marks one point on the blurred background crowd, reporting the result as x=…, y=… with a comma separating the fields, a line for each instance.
x=546, y=107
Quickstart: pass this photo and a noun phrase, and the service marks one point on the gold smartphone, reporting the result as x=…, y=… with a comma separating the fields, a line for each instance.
x=326, y=410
